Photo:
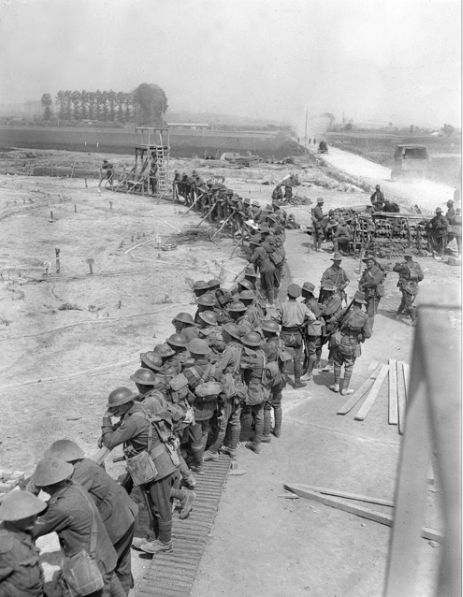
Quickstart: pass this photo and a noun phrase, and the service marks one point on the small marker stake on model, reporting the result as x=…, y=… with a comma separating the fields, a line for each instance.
x=58, y=265
x=90, y=262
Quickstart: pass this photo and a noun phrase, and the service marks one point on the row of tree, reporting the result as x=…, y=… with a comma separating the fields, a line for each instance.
x=146, y=105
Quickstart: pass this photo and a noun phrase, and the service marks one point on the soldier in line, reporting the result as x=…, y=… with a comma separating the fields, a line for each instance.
x=117, y=510
x=331, y=305
x=292, y=315
x=354, y=328
x=337, y=276
x=106, y=173
x=260, y=258
x=185, y=325
x=21, y=574
x=273, y=347
x=410, y=275
x=253, y=361
x=229, y=409
x=371, y=284
x=314, y=330
x=139, y=433
x=204, y=407
x=72, y=514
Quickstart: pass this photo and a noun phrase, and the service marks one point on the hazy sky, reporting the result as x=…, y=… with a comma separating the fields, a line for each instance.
x=386, y=60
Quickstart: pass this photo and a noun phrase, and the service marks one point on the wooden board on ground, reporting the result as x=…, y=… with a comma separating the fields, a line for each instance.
x=372, y=366
x=401, y=400
x=380, y=517
x=366, y=406
x=342, y=494
x=406, y=369
x=393, y=411
x=349, y=404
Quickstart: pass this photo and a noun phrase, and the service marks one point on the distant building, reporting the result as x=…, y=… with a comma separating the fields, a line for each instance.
x=199, y=126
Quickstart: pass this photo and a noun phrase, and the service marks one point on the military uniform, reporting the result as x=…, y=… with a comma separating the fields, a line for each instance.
x=291, y=316
x=272, y=347
x=252, y=364
x=203, y=411
x=317, y=226
x=117, y=510
x=70, y=514
x=133, y=431
x=314, y=336
x=410, y=275
x=338, y=277
x=371, y=283
x=229, y=412
x=20, y=571
x=439, y=229
x=261, y=259
x=355, y=328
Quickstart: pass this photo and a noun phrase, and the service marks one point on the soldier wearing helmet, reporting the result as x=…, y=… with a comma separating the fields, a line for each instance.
x=20, y=570
x=204, y=408
x=438, y=227
x=254, y=312
x=253, y=361
x=184, y=324
x=229, y=410
x=139, y=433
x=273, y=348
x=72, y=514
x=206, y=302
x=210, y=332
x=117, y=510
x=151, y=397
x=151, y=360
x=237, y=312
x=178, y=343
x=292, y=316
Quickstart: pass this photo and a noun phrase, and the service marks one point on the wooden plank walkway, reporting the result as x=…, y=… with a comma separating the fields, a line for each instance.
x=173, y=574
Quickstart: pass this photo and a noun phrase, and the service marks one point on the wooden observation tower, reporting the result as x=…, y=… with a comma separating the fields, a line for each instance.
x=150, y=174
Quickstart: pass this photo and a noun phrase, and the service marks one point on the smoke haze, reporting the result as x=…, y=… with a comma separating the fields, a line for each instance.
x=392, y=61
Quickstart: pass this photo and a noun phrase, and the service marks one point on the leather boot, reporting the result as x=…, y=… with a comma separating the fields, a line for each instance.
x=309, y=375
x=278, y=412
x=197, y=465
x=266, y=438
x=271, y=297
x=246, y=425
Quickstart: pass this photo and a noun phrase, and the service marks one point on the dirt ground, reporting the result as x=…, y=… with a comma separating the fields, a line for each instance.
x=69, y=339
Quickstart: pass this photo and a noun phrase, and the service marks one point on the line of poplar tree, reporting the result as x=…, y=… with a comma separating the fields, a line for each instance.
x=147, y=104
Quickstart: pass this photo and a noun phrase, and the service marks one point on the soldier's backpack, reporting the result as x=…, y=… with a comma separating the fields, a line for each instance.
x=178, y=388
x=232, y=386
x=202, y=388
x=259, y=391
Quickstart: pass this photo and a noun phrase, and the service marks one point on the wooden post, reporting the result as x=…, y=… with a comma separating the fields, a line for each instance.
x=75, y=208
x=90, y=262
x=110, y=205
x=58, y=265
x=51, y=215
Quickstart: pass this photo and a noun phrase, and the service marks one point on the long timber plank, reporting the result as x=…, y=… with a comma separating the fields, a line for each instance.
x=173, y=575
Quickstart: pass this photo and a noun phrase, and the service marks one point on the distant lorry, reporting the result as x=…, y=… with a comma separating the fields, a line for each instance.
x=410, y=161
